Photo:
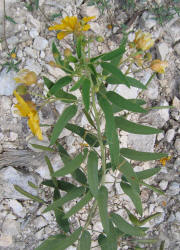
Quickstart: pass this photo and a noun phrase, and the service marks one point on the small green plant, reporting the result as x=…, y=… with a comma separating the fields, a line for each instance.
x=101, y=4
x=32, y=5
x=101, y=151
x=12, y=63
x=127, y=4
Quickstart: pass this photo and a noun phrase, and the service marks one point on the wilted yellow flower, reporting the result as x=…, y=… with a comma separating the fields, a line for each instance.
x=159, y=66
x=164, y=160
x=13, y=55
x=26, y=76
x=70, y=25
x=139, y=60
x=27, y=109
x=67, y=52
x=143, y=41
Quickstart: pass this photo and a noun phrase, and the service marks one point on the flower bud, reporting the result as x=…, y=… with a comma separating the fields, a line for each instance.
x=158, y=66
x=143, y=41
x=67, y=52
x=100, y=39
x=21, y=89
x=148, y=56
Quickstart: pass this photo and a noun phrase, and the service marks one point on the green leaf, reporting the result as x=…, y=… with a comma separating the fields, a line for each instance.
x=62, y=185
x=65, y=97
x=10, y=19
x=128, y=171
x=134, y=128
x=156, y=190
x=53, y=242
x=23, y=192
x=60, y=84
x=86, y=93
x=147, y=173
x=63, y=153
x=116, y=108
x=133, y=218
x=61, y=242
x=92, y=169
x=89, y=118
x=116, y=73
x=78, y=46
x=114, y=54
x=79, y=205
x=37, y=4
x=84, y=134
x=51, y=171
x=141, y=156
x=78, y=84
x=85, y=241
x=125, y=227
x=56, y=54
x=67, y=115
x=31, y=184
x=79, y=176
x=133, y=195
x=70, y=166
x=146, y=241
x=110, y=131
x=162, y=245
x=124, y=103
x=153, y=216
x=48, y=82
x=77, y=192
x=103, y=209
x=43, y=147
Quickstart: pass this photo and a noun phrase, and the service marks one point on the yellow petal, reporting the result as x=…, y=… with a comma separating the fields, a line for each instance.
x=22, y=106
x=62, y=34
x=33, y=123
x=86, y=19
x=86, y=27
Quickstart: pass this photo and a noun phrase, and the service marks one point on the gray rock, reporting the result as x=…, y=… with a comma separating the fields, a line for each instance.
x=174, y=188
x=30, y=52
x=177, y=216
x=124, y=91
x=11, y=227
x=177, y=163
x=177, y=48
x=17, y=208
x=6, y=240
x=163, y=184
x=10, y=177
x=40, y=222
x=162, y=51
x=12, y=40
x=90, y=11
x=33, y=33
x=32, y=65
x=40, y=43
x=143, y=143
x=174, y=29
x=160, y=136
x=157, y=118
x=177, y=145
x=170, y=135
x=152, y=91
x=8, y=84
x=176, y=103
x=148, y=20
x=171, y=217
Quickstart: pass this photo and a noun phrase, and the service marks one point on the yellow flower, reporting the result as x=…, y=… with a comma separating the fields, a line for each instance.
x=28, y=109
x=70, y=25
x=13, y=55
x=143, y=41
x=164, y=160
x=159, y=66
x=26, y=76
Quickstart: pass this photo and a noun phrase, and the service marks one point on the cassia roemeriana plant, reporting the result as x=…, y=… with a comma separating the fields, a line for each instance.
x=102, y=152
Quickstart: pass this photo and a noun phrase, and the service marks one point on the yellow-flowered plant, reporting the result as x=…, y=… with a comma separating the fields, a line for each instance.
x=143, y=41
x=26, y=77
x=164, y=160
x=71, y=25
x=159, y=66
x=100, y=150
x=27, y=109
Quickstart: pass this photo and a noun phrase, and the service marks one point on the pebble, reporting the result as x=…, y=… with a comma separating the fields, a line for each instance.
x=144, y=143
x=40, y=43
x=163, y=184
x=8, y=84
x=33, y=33
x=90, y=11
x=177, y=215
x=160, y=136
x=169, y=135
x=177, y=48
x=40, y=222
x=177, y=163
x=152, y=91
x=34, y=140
x=162, y=51
x=177, y=145
x=30, y=52
x=11, y=227
x=174, y=30
x=174, y=188
x=148, y=20
x=6, y=240
x=17, y=208
x=176, y=103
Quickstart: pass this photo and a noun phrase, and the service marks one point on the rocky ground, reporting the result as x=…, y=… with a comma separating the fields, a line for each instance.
x=23, y=226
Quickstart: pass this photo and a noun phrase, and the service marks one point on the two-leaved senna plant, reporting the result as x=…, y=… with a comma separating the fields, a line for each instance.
x=102, y=152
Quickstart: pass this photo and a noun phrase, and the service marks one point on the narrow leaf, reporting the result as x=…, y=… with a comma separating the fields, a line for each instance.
x=56, y=54
x=31, y=184
x=53, y=242
x=110, y=131
x=60, y=84
x=128, y=80
x=86, y=93
x=85, y=241
x=141, y=156
x=71, y=166
x=77, y=192
x=84, y=134
x=65, y=97
x=114, y=54
x=124, y=103
x=116, y=108
x=43, y=147
x=134, y=128
x=79, y=205
x=67, y=115
x=79, y=176
x=62, y=185
x=92, y=168
x=78, y=46
x=37, y=4
x=153, y=216
x=23, y=192
x=48, y=82
x=162, y=245
x=10, y=19
x=156, y=190
x=78, y=84
x=51, y=171
x=89, y=118
x=125, y=227
x=103, y=209
x=133, y=195
x=147, y=173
